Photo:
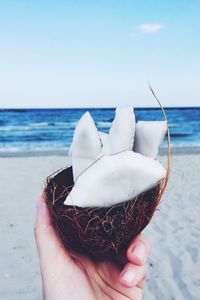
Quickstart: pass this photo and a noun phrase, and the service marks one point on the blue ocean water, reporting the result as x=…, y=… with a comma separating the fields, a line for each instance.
x=39, y=130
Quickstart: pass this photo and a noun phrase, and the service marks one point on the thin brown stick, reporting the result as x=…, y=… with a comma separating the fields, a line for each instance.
x=168, y=144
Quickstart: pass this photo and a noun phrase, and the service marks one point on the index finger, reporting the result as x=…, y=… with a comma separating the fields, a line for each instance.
x=138, y=250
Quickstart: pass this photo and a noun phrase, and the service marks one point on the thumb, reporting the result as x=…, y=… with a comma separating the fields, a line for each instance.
x=53, y=257
x=47, y=241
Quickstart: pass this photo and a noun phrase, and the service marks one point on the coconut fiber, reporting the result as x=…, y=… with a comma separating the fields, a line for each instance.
x=99, y=232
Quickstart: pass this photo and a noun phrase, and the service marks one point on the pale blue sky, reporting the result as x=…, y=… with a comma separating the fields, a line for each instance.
x=99, y=53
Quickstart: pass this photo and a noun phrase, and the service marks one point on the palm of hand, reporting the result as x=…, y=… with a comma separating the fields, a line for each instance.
x=66, y=276
x=80, y=278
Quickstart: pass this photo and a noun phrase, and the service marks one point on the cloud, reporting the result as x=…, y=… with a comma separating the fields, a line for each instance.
x=150, y=28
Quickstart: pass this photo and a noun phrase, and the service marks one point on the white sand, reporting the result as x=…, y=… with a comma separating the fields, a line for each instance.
x=174, y=265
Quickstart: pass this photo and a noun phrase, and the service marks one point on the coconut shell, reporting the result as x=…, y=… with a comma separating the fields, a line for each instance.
x=99, y=232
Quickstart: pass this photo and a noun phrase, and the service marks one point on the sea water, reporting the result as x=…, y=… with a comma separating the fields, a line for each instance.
x=51, y=130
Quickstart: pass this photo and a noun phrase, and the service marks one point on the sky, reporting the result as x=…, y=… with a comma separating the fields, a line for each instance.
x=99, y=53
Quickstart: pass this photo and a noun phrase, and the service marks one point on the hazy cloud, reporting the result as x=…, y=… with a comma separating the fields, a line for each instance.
x=150, y=28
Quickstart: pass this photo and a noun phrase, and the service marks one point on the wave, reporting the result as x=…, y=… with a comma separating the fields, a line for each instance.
x=2, y=123
x=58, y=124
x=15, y=128
x=180, y=135
x=174, y=144
x=108, y=120
x=18, y=110
x=103, y=124
x=173, y=125
x=37, y=126
x=26, y=147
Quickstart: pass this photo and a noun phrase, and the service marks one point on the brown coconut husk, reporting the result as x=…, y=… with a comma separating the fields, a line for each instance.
x=100, y=232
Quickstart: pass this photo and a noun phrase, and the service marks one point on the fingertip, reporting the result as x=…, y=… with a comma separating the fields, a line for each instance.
x=131, y=275
x=143, y=239
x=127, y=277
x=137, y=253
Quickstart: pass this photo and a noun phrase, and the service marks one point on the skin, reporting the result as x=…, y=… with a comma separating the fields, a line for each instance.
x=67, y=275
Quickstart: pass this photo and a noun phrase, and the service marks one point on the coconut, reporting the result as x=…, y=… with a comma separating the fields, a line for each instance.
x=98, y=210
x=101, y=233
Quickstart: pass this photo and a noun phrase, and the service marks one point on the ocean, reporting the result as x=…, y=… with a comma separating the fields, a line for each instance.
x=51, y=130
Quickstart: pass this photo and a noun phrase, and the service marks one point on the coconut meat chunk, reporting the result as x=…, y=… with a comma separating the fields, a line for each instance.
x=122, y=132
x=86, y=145
x=114, y=179
x=70, y=150
x=148, y=137
x=103, y=137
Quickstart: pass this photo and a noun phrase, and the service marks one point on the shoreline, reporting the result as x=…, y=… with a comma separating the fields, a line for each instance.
x=185, y=150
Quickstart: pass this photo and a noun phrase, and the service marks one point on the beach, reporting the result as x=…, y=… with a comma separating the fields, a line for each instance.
x=174, y=264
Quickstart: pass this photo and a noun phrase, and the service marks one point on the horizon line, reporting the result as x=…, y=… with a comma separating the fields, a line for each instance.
x=103, y=108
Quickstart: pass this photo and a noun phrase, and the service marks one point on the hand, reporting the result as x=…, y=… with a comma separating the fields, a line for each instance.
x=67, y=276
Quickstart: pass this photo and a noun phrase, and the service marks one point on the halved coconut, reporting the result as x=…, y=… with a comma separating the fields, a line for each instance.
x=99, y=205
x=101, y=233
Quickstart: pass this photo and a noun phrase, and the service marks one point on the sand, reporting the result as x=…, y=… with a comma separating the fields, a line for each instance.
x=174, y=264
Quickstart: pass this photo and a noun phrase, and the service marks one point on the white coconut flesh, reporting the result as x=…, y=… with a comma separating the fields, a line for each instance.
x=70, y=150
x=103, y=137
x=122, y=132
x=86, y=145
x=106, y=168
x=114, y=179
x=148, y=137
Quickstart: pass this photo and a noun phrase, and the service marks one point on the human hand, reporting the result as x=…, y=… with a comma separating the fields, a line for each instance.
x=69, y=276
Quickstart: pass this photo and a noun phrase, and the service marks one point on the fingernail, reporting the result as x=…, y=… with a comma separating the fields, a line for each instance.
x=140, y=251
x=128, y=276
